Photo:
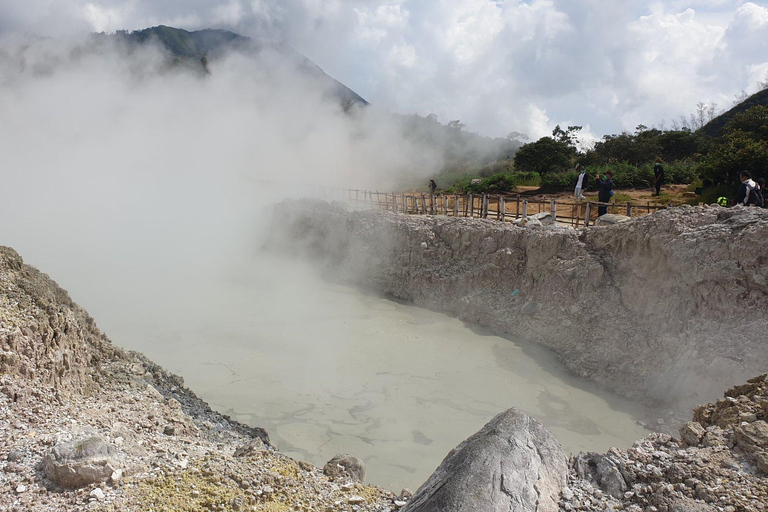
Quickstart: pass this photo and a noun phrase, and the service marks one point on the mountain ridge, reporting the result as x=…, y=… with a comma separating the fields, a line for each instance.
x=715, y=126
x=197, y=47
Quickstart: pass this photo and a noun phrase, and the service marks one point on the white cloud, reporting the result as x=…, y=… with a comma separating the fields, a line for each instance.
x=495, y=65
x=230, y=13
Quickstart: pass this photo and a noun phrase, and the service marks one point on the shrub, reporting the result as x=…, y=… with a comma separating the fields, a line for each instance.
x=710, y=195
x=498, y=167
x=625, y=176
x=559, y=181
x=681, y=173
x=528, y=179
x=495, y=184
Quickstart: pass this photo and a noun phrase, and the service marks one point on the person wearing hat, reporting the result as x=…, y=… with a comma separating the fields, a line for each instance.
x=658, y=173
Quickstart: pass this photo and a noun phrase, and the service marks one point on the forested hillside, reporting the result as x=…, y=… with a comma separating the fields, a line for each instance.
x=709, y=158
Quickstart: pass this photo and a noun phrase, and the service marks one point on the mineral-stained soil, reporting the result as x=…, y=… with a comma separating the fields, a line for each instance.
x=670, y=307
x=136, y=437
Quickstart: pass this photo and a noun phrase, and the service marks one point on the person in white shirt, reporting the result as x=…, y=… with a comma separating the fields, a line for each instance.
x=581, y=184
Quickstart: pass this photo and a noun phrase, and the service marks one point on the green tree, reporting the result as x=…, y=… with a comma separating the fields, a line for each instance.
x=744, y=146
x=569, y=136
x=545, y=155
x=753, y=122
x=680, y=144
x=738, y=151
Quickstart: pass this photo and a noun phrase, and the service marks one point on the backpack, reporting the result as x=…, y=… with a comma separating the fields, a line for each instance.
x=756, y=197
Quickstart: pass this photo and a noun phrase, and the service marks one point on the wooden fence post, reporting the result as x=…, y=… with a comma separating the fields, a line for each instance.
x=484, y=207
x=424, y=204
x=471, y=202
x=394, y=203
x=502, y=208
x=517, y=207
x=525, y=208
x=455, y=205
x=586, y=216
x=553, y=208
x=629, y=209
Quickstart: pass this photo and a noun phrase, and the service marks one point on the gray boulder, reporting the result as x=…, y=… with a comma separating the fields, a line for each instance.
x=604, y=471
x=611, y=218
x=536, y=220
x=345, y=466
x=512, y=464
x=81, y=463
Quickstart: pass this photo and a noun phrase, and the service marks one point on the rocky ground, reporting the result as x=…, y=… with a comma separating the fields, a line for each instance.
x=718, y=463
x=87, y=426
x=670, y=307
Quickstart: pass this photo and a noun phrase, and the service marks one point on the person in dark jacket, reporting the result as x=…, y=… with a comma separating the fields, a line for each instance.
x=432, y=187
x=658, y=173
x=605, y=191
x=744, y=196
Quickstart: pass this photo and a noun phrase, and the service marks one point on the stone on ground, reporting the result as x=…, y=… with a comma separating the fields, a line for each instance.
x=81, y=463
x=611, y=218
x=513, y=463
x=345, y=465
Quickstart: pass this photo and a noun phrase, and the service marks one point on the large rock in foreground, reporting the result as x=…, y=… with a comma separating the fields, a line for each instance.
x=81, y=463
x=513, y=464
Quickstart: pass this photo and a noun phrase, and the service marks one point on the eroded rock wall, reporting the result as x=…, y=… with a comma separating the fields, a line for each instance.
x=43, y=334
x=671, y=306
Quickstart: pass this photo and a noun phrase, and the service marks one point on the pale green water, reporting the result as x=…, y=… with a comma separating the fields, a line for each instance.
x=329, y=369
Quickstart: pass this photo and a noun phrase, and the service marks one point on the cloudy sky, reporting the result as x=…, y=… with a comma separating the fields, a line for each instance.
x=497, y=65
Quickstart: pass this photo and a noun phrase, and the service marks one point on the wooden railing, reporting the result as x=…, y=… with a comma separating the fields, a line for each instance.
x=503, y=208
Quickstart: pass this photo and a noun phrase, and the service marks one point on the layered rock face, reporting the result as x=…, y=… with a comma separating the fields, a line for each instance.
x=671, y=306
x=44, y=334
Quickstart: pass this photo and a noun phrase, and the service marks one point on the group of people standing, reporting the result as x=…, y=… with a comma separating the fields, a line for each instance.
x=604, y=188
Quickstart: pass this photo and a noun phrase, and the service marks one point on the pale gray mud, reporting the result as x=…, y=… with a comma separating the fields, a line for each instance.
x=327, y=368
x=670, y=308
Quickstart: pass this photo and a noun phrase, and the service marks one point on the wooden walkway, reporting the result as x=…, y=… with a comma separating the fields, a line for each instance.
x=503, y=208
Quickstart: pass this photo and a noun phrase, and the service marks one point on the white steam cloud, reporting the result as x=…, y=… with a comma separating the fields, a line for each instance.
x=126, y=179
